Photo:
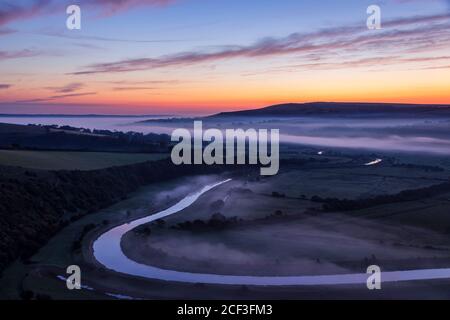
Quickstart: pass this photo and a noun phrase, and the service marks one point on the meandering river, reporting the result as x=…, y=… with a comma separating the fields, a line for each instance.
x=108, y=252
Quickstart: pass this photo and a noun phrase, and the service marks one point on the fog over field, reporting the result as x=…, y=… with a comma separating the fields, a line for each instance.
x=411, y=135
x=381, y=132
x=410, y=132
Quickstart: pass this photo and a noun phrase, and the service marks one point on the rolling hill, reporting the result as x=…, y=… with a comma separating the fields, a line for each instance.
x=353, y=109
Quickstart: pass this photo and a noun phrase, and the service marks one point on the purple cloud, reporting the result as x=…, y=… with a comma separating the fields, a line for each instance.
x=11, y=11
x=26, y=53
x=68, y=88
x=144, y=82
x=6, y=31
x=132, y=88
x=104, y=39
x=358, y=63
x=4, y=86
x=111, y=7
x=401, y=36
x=56, y=97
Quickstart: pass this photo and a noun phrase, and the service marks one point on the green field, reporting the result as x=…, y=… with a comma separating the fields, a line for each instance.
x=72, y=160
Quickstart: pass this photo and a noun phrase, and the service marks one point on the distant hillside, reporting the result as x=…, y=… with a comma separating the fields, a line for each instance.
x=66, y=138
x=340, y=109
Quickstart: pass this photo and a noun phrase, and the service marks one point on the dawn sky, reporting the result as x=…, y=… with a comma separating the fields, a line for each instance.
x=204, y=56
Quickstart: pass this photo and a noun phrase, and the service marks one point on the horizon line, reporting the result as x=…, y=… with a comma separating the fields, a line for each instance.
x=6, y=114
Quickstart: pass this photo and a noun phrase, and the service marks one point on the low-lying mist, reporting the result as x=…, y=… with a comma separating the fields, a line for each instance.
x=414, y=134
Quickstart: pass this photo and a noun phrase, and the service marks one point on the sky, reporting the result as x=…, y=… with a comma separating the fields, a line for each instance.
x=205, y=56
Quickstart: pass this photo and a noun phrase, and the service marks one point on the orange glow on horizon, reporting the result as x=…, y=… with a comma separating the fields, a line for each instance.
x=232, y=92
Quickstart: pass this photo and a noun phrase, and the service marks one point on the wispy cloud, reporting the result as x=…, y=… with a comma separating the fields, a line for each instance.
x=143, y=85
x=420, y=33
x=12, y=11
x=437, y=67
x=26, y=53
x=4, y=86
x=56, y=97
x=6, y=31
x=143, y=82
x=359, y=63
x=68, y=88
x=110, y=7
x=106, y=39
x=133, y=88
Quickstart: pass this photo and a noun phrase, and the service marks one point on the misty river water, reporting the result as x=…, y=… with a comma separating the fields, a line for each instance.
x=108, y=252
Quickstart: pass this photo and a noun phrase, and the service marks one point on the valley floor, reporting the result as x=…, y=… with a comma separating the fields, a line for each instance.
x=263, y=226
